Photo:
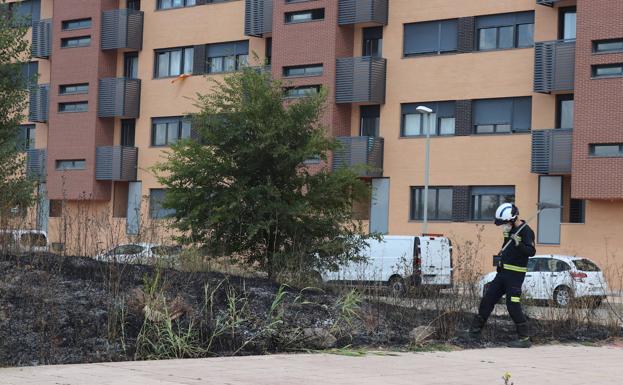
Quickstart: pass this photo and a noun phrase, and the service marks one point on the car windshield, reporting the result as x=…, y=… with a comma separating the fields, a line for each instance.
x=585, y=265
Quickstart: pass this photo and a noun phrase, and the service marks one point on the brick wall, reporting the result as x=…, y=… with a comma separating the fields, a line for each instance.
x=598, y=103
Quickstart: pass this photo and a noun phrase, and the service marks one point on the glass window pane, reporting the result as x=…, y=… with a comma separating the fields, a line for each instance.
x=160, y=134
x=609, y=46
x=230, y=64
x=489, y=203
x=432, y=203
x=164, y=4
x=503, y=128
x=507, y=37
x=606, y=150
x=566, y=114
x=487, y=38
x=525, y=36
x=413, y=124
x=216, y=64
x=176, y=63
x=185, y=129
x=243, y=61
x=484, y=129
x=447, y=126
x=172, y=132
x=445, y=204
x=190, y=2
x=569, y=25
x=188, y=60
x=163, y=64
x=609, y=71
x=178, y=3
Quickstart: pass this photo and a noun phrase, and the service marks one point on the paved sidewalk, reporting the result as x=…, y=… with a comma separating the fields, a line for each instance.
x=551, y=365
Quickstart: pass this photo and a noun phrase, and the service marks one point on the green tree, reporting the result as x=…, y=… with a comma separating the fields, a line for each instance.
x=15, y=189
x=240, y=186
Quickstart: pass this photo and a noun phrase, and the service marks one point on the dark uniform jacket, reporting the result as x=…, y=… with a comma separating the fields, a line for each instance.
x=518, y=255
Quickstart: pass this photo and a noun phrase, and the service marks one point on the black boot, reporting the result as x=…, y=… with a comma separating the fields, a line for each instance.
x=523, y=334
x=475, y=328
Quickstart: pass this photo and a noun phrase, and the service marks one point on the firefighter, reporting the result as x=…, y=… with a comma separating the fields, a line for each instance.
x=510, y=275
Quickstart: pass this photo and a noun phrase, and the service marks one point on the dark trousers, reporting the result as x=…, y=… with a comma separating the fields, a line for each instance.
x=509, y=283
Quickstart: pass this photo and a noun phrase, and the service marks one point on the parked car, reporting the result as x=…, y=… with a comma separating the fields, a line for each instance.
x=141, y=253
x=398, y=260
x=561, y=279
x=23, y=241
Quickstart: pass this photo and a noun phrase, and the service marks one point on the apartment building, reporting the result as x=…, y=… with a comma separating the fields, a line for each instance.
x=526, y=99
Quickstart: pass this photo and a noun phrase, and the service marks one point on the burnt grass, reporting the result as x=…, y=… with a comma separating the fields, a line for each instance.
x=61, y=310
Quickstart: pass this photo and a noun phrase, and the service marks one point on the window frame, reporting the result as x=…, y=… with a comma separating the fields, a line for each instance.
x=478, y=217
x=305, y=69
x=596, y=67
x=76, y=164
x=438, y=118
x=79, y=39
x=416, y=216
x=80, y=89
x=184, y=2
x=513, y=20
x=63, y=105
x=179, y=120
x=439, y=33
x=595, y=44
x=182, y=64
x=592, y=147
x=65, y=24
x=498, y=125
x=288, y=16
x=153, y=201
x=316, y=87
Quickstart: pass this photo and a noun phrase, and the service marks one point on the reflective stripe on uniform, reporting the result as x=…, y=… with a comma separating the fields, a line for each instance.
x=515, y=299
x=518, y=269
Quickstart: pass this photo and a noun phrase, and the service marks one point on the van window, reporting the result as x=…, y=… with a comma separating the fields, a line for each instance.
x=33, y=240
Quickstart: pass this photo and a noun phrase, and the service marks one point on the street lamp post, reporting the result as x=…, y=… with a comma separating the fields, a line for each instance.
x=427, y=127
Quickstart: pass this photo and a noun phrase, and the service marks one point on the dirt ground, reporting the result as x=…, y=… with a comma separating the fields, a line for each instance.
x=61, y=310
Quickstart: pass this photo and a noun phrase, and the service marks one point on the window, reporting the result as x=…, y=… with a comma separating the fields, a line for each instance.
x=134, y=4
x=607, y=150
x=75, y=42
x=26, y=139
x=73, y=107
x=72, y=89
x=56, y=208
x=299, y=92
x=505, y=31
x=538, y=264
x=269, y=50
x=156, y=198
x=71, y=164
x=585, y=265
x=166, y=131
x=485, y=200
x=227, y=57
x=373, y=42
x=413, y=123
x=128, y=129
x=307, y=70
x=174, y=62
x=564, y=111
x=603, y=46
x=304, y=16
x=370, y=117
x=26, y=12
x=607, y=70
x=577, y=208
x=439, y=203
x=567, y=25
x=168, y=4
x=130, y=65
x=76, y=24
x=431, y=37
x=502, y=116
x=29, y=74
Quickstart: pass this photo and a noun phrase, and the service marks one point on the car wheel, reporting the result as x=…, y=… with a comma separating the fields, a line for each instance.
x=563, y=296
x=397, y=286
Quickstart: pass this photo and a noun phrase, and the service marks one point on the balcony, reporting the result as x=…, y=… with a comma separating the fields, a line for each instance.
x=122, y=29
x=258, y=17
x=552, y=151
x=42, y=39
x=360, y=80
x=119, y=97
x=362, y=152
x=554, y=66
x=36, y=164
x=362, y=11
x=116, y=163
x=38, y=103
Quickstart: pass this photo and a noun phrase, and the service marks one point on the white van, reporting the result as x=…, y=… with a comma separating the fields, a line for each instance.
x=399, y=260
x=23, y=241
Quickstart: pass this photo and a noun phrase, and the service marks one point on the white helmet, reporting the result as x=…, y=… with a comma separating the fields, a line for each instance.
x=506, y=212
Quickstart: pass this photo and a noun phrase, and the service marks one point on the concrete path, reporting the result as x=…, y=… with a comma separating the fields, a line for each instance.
x=551, y=365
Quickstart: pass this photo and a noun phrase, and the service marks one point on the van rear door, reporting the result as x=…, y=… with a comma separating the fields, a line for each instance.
x=436, y=260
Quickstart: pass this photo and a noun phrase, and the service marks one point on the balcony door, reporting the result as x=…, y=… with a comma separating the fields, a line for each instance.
x=568, y=17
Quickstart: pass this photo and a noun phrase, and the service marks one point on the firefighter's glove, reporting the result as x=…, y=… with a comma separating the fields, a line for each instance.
x=516, y=238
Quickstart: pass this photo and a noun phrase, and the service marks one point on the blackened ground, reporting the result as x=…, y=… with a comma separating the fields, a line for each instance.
x=59, y=310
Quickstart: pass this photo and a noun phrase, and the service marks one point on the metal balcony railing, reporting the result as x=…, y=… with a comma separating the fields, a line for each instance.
x=360, y=80
x=36, y=164
x=552, y=151
x=38, y=103
x=554, y=66
x=258, y=17
x=121, y=29
x=119, y=97
x=116, y=163
x=362, y=11
x=362, y=152
x=42, y=39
